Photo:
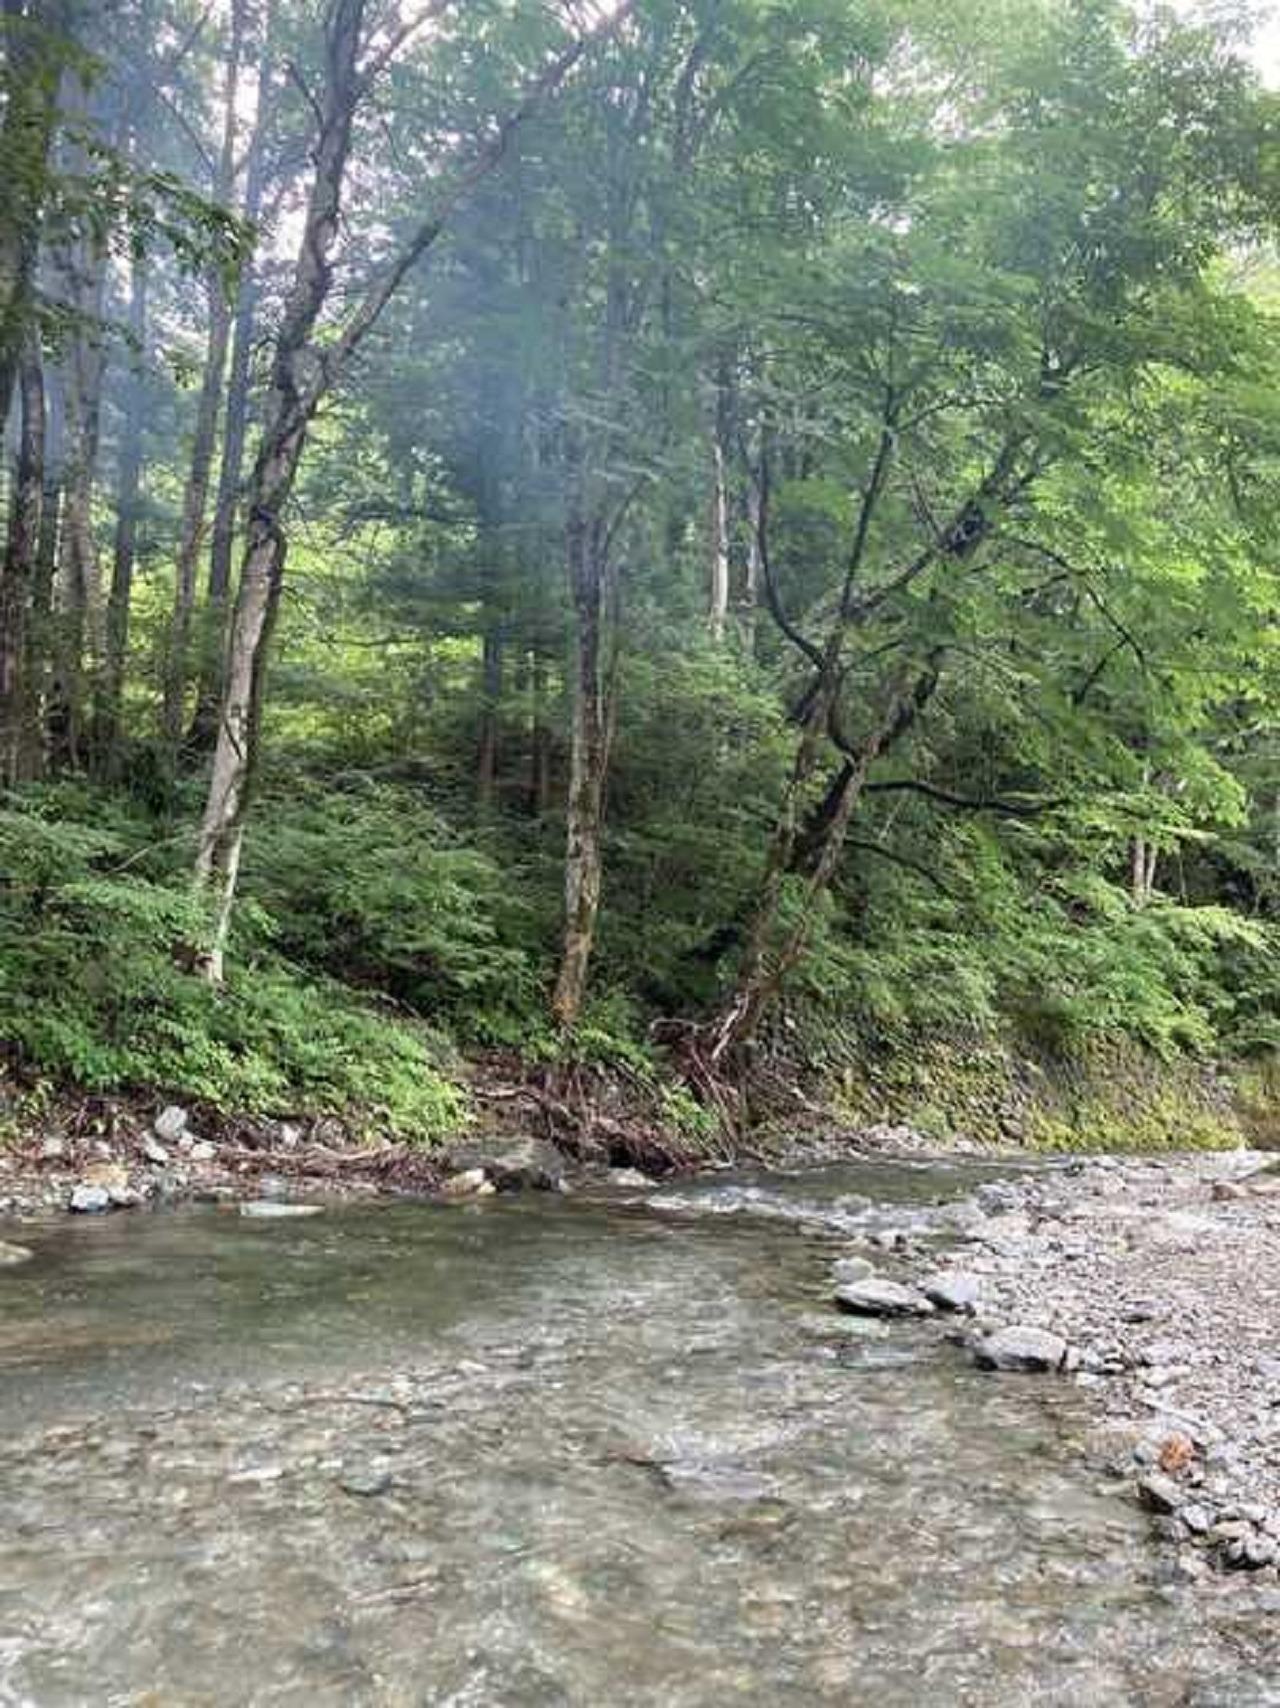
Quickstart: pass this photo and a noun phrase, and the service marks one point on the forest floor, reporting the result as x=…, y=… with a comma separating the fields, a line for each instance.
x=1154, y=1284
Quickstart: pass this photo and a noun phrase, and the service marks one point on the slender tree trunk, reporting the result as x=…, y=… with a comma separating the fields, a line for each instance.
x=18, y=574
x=291, y=401
x=718, y=520
x=41, y=627
x=124, y=555
x=1144, y=863
x=591, y=738
x=36, y=43
x=539, y=740
x=491, y=691
x=204, y=440
x=80, y=622
x=718, y=613
x=234, y=436
x=751, y=571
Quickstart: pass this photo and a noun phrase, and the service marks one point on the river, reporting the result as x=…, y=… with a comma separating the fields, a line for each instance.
x=599, y=1450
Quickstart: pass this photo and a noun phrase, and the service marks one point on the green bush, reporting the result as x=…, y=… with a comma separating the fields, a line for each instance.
x=92, y=991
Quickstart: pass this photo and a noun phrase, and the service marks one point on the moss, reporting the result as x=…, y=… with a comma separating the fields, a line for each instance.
x=1112, y=1098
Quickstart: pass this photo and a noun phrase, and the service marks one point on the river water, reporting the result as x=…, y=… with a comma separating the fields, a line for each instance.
x=533, y=1451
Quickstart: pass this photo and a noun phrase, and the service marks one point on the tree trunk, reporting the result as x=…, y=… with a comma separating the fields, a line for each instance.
x=591, y=738
x=80, y=620
x=18, y=575
x=291, y=402
x=128, y=491
x=491, y=693
x=40, y=626
x=767, y=963
x=235, y=427
x=539, y=741
x=204, y=440
x=35, y=44
x=718, y=613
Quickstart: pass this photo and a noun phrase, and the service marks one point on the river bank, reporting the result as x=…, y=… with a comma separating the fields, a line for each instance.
x=1154, y=1285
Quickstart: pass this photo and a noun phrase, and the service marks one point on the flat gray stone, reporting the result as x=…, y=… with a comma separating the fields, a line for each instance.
x=273, y=1210
x=366, y=1480
x=1160, y=1493
x=876, y=1297
x=1020, y=1348
x=953, y=1290
x=88, y=1200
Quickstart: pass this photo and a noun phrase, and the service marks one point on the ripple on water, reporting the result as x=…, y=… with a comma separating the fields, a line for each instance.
x=621, y=1454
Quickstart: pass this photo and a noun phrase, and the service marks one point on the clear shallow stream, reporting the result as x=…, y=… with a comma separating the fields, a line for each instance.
x=534, y=1451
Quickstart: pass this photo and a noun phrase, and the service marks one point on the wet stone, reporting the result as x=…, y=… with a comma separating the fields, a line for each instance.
x=12, y=1255
x=876, y=1297
x=272, y=1209
x=365, y=1481
x=1021, y=1349
x=953, y=1290
x=89, y=1200
x=1160, y=1493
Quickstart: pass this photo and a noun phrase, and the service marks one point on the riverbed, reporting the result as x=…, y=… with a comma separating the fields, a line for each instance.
x=616, y=1448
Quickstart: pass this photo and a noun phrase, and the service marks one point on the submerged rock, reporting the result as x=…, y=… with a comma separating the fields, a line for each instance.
x=846, y=1270
x=876, y=1297
x=272, y=1209
x=366, y=1480
x=12, y=1255
x=1020, y=1348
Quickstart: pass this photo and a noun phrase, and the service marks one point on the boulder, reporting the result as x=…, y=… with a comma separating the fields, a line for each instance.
x=511, y=1163
x=1021, y=1348
x=876, y=1297
x=170, y=1124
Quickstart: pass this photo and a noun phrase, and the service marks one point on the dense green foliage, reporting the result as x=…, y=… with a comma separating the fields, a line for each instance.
x=911, y=376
